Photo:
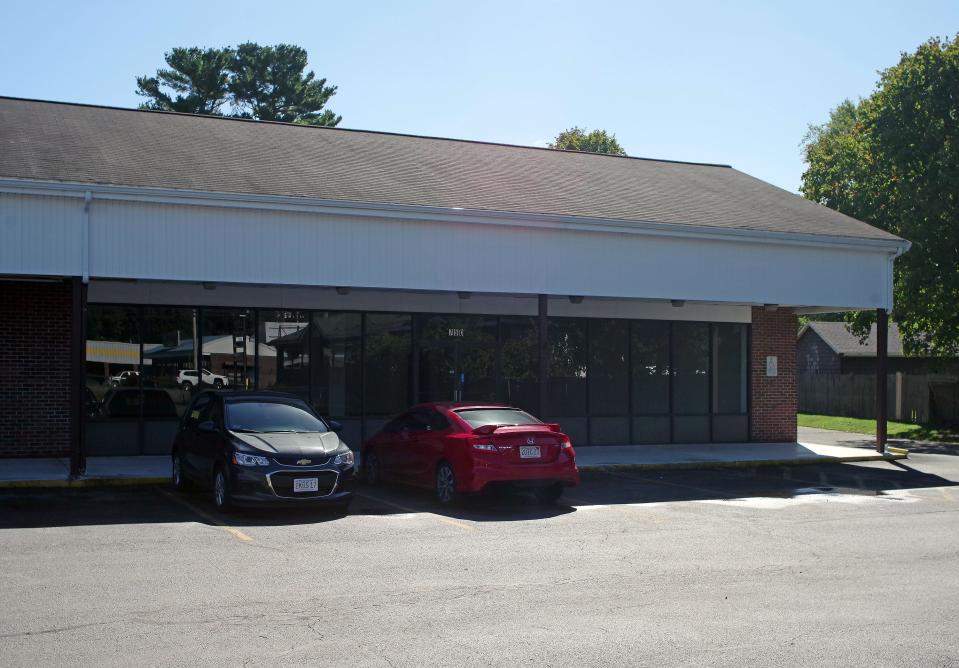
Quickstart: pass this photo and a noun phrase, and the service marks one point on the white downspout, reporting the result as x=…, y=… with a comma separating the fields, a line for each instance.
x=891, y=282
x=85, y=242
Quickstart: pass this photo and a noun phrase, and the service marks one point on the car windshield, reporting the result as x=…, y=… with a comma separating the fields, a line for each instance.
x=270, y=417
x=480, y=417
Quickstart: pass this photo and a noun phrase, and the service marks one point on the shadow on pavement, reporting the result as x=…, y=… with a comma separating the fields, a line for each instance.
x=32, y=508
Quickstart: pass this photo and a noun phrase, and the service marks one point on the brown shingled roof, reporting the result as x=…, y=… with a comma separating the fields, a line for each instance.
x=102, y=145
x=844, y=342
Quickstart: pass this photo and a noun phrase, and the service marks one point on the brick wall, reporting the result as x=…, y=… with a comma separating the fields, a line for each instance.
x=35, y=333
x=774, y=399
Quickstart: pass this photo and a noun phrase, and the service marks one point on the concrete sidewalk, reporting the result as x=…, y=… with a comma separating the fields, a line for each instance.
x=156, y=469
x=55, y=472
x=719, y=455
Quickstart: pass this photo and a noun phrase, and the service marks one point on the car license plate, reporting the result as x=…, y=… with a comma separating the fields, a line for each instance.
x=306, y=484
x=529, y=452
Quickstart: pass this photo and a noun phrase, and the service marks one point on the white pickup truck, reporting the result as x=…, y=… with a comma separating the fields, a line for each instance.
x=187, y=379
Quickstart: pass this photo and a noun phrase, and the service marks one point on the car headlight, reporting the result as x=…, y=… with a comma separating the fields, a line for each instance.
x=243, y=459
x=344, y=459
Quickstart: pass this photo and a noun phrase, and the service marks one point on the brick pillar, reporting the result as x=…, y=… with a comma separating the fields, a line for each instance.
x=775, y=399
x=35, y=333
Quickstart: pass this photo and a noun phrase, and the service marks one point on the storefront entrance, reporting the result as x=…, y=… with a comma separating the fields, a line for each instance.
x=457, y=358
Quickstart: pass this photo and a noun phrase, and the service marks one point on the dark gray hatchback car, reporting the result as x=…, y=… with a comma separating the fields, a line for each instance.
x=252, y=448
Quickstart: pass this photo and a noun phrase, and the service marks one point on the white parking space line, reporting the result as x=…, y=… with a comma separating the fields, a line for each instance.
x=413, y=511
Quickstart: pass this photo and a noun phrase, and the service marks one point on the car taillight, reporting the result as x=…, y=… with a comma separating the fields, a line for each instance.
x=485, y=447
x=565, y=444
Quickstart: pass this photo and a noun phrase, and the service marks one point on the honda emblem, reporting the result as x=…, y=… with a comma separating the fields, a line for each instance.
x=530, y=441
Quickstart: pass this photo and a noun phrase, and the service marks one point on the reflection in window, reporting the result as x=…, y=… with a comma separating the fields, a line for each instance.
x=113, y=354
x=387, y=369
x=690, y=368
x=337, y=381
x=519, y=362
x=729, y=368
x=227, y=350
x=284, y=360
x=169, y=340
x=608, y=367
x=457, y=357
x=567, y=367
x=650, y=367
x=111, y=390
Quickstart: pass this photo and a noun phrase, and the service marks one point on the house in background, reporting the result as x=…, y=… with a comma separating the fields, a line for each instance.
x=829, y=347
x=837, y=376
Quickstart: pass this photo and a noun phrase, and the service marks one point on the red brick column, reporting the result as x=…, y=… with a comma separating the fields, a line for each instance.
x=774, y=398
x=35, y=331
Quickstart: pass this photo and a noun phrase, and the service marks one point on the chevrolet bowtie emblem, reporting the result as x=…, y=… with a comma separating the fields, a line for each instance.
x=304, y=462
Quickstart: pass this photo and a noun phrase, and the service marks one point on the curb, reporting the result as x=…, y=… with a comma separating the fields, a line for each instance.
x=60, y=483
x=739, y=464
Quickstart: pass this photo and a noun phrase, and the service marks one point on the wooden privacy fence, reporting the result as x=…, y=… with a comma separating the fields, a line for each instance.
x=854, y=395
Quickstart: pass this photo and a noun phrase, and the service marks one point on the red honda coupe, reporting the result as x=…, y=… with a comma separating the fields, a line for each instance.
x=460, y=448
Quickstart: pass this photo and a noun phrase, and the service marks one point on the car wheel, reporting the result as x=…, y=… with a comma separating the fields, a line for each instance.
x=218, y=384
x=221, y=490
x=187, y=386
x=446, y=492
x=180, y=482
x=372, y=472
x=549, y=494
x=115, y=384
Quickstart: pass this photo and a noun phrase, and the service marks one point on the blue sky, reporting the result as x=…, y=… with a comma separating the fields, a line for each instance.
x=734, y=83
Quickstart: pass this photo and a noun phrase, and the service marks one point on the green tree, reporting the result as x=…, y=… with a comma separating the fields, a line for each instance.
x=892, y=160
x=578, y=139
x=197, y=78
x=267, y=83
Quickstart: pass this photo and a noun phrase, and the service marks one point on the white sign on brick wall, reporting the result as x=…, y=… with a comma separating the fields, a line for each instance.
x=772, y=366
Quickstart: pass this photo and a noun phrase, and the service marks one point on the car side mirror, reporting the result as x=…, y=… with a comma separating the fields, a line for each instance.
x=335, y=426
x=207, y=427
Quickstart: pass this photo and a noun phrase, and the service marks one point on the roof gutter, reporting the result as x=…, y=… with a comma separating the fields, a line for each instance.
x=443, y=214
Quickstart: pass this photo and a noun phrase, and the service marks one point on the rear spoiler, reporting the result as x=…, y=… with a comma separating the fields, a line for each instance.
x=487, y=429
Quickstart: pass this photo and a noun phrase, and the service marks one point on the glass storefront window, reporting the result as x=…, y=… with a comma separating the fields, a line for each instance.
x=519, y=362
x=284, y=359
x=609, y=367
x=336, y=386
x=611, y=381
x=567, y=367
x=690, y=368
x=729, y=368
x=691, y=422
x=651, y=369
x=169, y=335
x=227, y=349
x=457, y=357
x=729, y=382
x=387, y=348
x=112, y=381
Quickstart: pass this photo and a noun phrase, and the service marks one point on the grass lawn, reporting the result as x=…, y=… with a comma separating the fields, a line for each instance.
x=916, y=432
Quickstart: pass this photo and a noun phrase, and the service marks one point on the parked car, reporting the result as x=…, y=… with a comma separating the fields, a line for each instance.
x=187, y=379
x=124, y=402
x=125, y=379
x=460, y=448
x=262, y=448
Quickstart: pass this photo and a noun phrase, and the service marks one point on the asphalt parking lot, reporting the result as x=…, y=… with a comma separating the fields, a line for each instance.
x=839, y=564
